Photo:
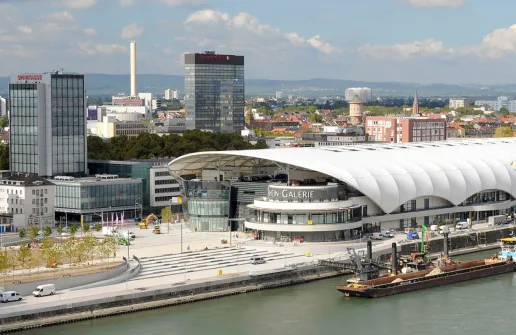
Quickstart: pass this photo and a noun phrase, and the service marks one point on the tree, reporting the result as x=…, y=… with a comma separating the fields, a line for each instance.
x=86, y=228
x=504, y=111
x=90, y=245
x=69, y=249
x=47, y=231
x=50, y=253
x=314, y=117
x=504, y=131
x=73, y=229
x=261, y=144
x=22, y=234
x=167, y=215
x=25, y=256
x=80, y=251
x=33, y=233
x=4, y=121
x=5, y=261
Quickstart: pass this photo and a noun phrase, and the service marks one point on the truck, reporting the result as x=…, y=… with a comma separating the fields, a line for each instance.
x=413, y=235
x=496, y=220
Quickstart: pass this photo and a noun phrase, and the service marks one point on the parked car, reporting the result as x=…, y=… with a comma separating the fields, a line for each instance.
x=10, y=296
x=44, y=290
x=257, y=260
x=387, y=233
x=376, y=236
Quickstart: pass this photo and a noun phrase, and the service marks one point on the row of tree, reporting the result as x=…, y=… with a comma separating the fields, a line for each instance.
x=51, y=254
x=146, y=146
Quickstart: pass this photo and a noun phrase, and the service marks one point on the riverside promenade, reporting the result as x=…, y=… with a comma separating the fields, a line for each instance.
x=165, y=271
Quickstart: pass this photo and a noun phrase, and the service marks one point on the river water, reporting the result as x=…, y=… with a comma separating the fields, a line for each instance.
x=484, y=306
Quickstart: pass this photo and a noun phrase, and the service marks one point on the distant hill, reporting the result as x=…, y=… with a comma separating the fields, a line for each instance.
x=111, y=84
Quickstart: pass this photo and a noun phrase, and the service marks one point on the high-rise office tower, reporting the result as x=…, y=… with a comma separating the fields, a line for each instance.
x=214, y=92
x=48, y=124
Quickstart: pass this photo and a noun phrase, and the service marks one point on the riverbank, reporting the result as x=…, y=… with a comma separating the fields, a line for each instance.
x=94, y=305
x=158, y=297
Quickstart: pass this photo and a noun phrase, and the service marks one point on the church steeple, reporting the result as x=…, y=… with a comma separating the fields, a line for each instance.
x=415, y=106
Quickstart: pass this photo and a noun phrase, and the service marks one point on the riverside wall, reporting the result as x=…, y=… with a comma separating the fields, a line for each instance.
x=164, y=296
x=63, y=283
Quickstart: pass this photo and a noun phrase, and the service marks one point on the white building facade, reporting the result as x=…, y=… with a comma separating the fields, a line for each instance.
x=164, y=189
x=3, y=106
x=28, y=200
x=339, y=193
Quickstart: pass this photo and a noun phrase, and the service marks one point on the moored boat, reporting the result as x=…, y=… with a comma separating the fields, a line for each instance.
x=418, y=280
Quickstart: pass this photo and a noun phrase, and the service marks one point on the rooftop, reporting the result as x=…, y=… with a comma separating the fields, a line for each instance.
x=25, y=179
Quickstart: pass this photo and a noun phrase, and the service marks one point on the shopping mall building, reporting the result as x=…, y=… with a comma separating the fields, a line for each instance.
x=335, y=193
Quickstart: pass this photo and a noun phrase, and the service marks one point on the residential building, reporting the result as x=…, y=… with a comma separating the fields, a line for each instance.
x=48, y=124
x=364, y=93
x=214, y=92
x=158, y=188
x=26, y=199
x=279, y=95
x=92, y=196
x=110, y=127
x=339, y=137
x=3, y=106
x=499, y=103
x=171, y=94
x=405, y=129
x=459, y=103
x=333, y=194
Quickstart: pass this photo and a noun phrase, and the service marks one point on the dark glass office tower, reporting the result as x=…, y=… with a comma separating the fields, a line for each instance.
x=48, y=124
x=214, y=92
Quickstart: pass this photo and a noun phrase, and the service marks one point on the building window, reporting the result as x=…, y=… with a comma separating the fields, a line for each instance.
x=427, y=221
x=364, y=210
x=427, y=203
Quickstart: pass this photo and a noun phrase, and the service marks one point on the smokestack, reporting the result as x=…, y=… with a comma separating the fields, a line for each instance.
x=394, y=264
x=133, y=68
x=369, y=256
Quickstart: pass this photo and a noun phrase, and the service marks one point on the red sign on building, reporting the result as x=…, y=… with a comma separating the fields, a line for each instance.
x=30, y=77
x=214, y=57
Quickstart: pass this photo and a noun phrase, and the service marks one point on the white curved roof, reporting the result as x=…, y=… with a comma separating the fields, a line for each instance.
x=392, y=174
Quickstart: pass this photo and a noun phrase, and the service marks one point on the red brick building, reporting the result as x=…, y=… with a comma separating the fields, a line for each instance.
x=405, y=129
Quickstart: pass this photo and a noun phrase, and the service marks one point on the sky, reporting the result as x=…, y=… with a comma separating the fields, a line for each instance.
x=418, y=41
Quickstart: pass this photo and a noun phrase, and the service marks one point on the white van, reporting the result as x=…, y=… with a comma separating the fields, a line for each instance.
x=257, y=260
x=44, y=290
x=376, y=236
x=462, y=225
x=10, y=296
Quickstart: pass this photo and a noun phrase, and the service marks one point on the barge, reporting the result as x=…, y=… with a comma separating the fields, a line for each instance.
x=448, y=274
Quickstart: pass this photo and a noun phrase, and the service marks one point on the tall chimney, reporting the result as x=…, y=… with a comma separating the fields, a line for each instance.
x=133, y=68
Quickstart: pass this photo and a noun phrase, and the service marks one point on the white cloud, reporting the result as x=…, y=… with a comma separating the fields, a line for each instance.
x=77, y=4
x=170, y=3
x=244, y=30
x=497, y=44
x=436, y=3
x=63, y=16
x=90, y=32
x=25, y=29
x=126, y=3
x=404, y=50
x=91, y=48
x=131, y=31
x=177, y=3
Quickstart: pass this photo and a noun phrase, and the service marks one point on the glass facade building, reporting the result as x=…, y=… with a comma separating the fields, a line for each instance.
x=48, y=124
x=90, y=196
x=214, y=92
x=206, y=205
